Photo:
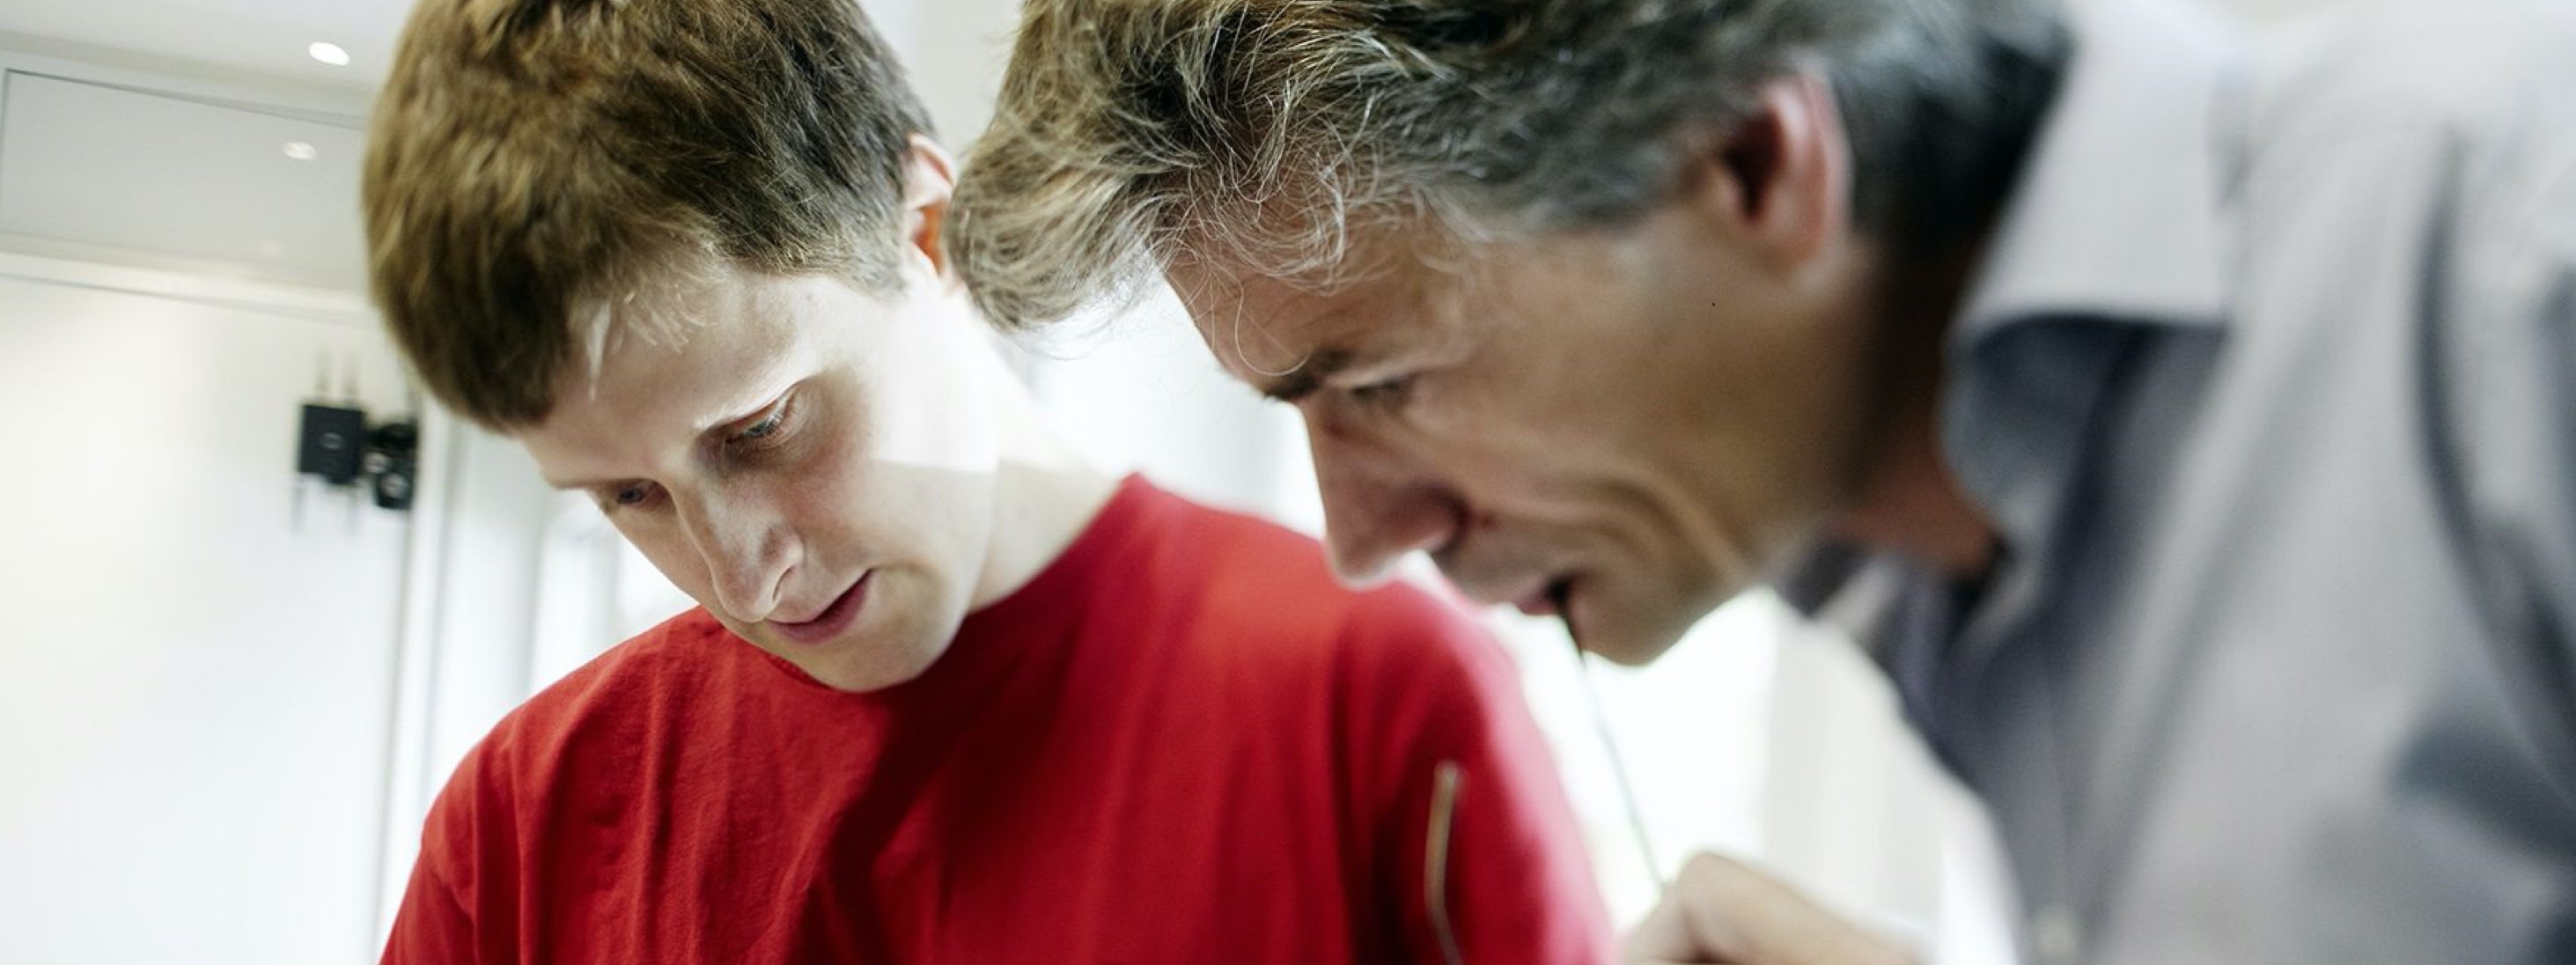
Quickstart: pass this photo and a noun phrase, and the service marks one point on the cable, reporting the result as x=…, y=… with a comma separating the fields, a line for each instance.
x=1618, y=771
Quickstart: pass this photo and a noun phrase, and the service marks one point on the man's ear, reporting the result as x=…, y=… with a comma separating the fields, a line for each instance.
x=929, y=180
x=1780, y=179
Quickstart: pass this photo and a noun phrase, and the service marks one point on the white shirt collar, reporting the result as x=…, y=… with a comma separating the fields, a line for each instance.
x=2117, y=210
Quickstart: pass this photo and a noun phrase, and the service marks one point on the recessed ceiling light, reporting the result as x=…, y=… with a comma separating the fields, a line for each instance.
x=301, y=151
x=329, y=53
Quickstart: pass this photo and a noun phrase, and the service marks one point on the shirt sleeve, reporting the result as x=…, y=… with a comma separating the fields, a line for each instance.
x=2501, y=341
x=431, y=928
x=1484, y=860
x=435, y=924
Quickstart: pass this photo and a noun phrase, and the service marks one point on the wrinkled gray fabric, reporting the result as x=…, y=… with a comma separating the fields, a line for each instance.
x=2270, y=384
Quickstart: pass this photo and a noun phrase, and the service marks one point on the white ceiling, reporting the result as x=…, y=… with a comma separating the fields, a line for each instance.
x=263, y=37
x=955, y=47
x=265, y=40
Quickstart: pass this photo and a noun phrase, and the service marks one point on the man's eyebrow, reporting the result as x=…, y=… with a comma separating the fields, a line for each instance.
x=714, y=432
x=739, y=416
x=1309, y=375
x=569, y=485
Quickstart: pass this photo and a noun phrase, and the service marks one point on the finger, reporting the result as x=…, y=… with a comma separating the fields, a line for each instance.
x=1745, y=915
x=1722, y=911
x=1694, y=923
x=1664, y=936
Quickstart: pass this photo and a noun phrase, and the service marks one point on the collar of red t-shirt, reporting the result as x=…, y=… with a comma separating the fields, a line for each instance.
x=997, y=637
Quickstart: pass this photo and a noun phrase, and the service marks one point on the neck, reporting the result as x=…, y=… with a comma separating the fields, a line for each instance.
x=1909, y=500
x=1044, y=494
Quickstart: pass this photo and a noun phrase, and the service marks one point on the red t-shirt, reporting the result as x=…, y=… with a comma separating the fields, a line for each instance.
x=1181, y=742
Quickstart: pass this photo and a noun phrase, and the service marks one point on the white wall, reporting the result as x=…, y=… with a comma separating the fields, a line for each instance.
x=195, y=683
x=218, y=725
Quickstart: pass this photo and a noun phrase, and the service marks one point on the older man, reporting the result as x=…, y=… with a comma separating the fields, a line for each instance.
x=2190, y=422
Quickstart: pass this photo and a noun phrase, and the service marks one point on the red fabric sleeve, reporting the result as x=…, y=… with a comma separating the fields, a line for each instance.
x=1487, y=867
x=431, y=928
x=442, y=919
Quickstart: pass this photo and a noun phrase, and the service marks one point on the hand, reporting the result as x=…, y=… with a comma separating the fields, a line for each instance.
x=1720, y=912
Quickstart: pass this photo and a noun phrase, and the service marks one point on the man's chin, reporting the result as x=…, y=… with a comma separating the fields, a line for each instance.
x=1626, y=642
x=1626, y=651
x=1632, y=634
x=852, y=662
x=869, y=669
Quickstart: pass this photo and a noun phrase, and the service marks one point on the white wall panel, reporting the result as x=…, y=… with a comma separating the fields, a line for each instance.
x=195, y=689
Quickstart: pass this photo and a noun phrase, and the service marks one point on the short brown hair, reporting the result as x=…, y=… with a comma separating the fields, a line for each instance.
x=1265, y=133
x=533, y=161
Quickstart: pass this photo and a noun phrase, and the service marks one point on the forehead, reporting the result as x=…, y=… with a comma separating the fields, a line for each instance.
x=1261, y=326
x=678, y=359
x=703, y=336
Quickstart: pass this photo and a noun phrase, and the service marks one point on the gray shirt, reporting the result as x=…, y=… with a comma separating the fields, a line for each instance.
x=2269, y=382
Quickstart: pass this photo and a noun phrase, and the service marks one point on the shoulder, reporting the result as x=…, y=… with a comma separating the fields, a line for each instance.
x=605, y=696
x=2481, y=75
x=575, y=729
x=1252, y=572
x=2431, y=145
x=671, y=655
x=1258, y=592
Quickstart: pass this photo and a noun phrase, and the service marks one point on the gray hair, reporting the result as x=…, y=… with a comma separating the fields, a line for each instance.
x=1266, y=133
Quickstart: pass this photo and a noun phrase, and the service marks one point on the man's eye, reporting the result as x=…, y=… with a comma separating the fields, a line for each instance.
x=768, y=430
x=759, y=429
x=1385, y=393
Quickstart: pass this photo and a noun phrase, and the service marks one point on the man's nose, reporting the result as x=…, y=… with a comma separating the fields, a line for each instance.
x=745, y=551
x=1378, y=504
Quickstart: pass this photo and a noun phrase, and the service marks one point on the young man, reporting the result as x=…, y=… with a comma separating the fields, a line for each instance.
x=951, y=696
x=2190, y=419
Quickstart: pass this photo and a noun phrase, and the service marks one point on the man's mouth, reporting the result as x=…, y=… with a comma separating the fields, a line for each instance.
x=1548, y=599
x=833, y=619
